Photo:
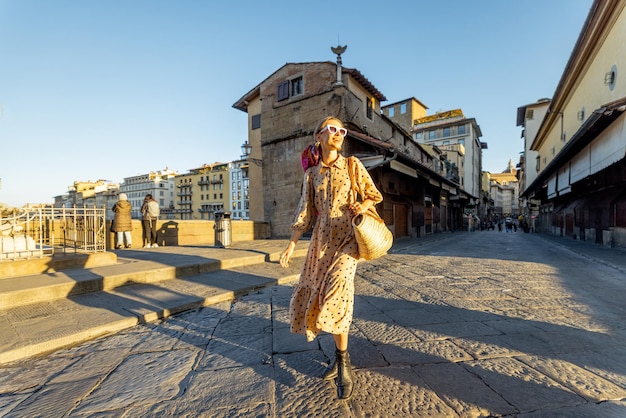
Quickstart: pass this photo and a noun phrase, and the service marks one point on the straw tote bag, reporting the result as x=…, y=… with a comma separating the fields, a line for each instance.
x=373, y=237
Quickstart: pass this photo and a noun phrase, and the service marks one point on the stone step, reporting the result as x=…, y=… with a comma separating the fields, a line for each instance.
x=45, y=326
x=132, y=267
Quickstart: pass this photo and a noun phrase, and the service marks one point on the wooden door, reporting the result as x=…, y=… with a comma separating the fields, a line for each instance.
x=400, y=223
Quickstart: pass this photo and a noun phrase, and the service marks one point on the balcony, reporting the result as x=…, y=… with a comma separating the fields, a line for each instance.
x=209, y=182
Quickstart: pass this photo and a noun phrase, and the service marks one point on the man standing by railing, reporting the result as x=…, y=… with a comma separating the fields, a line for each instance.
x=150, y=213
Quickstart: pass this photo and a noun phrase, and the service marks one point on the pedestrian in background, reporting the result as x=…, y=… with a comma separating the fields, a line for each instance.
x=122, y=222
x=150, y=214
x=323, y=299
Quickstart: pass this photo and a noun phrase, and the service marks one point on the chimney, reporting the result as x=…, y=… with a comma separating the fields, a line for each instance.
x=339, y=50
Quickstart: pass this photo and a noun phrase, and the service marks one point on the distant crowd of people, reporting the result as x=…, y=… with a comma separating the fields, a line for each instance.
x=507, y=224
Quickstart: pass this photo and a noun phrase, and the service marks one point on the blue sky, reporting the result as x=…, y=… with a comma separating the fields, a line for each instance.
x=113, y=88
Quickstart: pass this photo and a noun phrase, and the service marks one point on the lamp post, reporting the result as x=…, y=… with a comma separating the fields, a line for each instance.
x=246, y=148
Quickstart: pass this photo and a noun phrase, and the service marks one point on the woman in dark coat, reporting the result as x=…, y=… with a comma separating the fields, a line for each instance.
x=122, y=223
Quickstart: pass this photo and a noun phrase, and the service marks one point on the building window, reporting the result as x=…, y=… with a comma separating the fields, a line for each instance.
x=390, y=111
x=446, y=132
x=290, y=88
x=370, y=105
x=418, y=135
x=256, y=121
x=283, y=91
x=461, y=130
x=530, y=113
x=538, y=166
x=431, y=135
x=403, y=108
x=296, y=86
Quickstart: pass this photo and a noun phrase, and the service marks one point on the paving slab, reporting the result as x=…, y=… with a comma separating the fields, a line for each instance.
x=218, y=344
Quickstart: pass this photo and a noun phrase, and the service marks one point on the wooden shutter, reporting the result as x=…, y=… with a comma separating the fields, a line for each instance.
x=283, y=91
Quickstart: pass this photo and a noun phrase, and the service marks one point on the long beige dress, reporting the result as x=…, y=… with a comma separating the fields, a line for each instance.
x=323, y=300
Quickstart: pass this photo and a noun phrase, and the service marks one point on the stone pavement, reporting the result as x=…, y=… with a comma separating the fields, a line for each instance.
x=463, y=324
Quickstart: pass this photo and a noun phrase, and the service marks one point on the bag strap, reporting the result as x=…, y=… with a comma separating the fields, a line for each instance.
x=352, y=181
x=372, y=210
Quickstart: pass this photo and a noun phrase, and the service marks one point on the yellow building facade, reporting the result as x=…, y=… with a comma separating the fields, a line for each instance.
x=581, y=142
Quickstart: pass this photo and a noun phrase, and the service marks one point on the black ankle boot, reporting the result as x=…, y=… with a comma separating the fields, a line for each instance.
x=345, y=378
x=331, y=372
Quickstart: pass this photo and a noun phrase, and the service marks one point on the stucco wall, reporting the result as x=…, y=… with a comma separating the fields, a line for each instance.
x=588, y=91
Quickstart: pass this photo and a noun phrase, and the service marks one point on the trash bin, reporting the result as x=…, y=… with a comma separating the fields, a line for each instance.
x=223, y=231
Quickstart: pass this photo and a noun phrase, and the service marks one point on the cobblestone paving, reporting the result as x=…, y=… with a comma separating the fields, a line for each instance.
x=484, y=324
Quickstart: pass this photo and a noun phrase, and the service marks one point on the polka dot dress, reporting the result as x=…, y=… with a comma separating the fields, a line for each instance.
x=323, y=300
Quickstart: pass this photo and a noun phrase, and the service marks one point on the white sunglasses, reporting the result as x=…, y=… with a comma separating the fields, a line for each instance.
x=334, y=129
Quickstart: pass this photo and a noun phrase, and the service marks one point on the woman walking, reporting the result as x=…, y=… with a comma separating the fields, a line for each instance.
x=122, y=223
x=323, y=300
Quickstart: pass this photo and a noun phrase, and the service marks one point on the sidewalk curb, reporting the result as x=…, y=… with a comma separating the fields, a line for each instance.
x=583, y=252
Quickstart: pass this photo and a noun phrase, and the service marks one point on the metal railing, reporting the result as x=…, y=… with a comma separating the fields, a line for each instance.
x=39, y=232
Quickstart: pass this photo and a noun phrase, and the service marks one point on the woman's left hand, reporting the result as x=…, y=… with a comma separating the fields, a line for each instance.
x=286, y=255
x=360, y=207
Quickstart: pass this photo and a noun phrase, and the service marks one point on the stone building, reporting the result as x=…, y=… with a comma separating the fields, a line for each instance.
x=203, y=191
x=240, y=188
x=100, y=193
x=160, y=184
x=449, y=131
x=284, y=109
x=444, y=129
x=580, y=145
x=405, y=112
x=529, y=117
x=504, y=190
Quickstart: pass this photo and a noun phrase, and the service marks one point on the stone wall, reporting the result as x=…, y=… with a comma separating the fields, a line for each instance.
x=194, y=232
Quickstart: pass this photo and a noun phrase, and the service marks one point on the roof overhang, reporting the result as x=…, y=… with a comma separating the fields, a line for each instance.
x=404, y=164
x=595, y=124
